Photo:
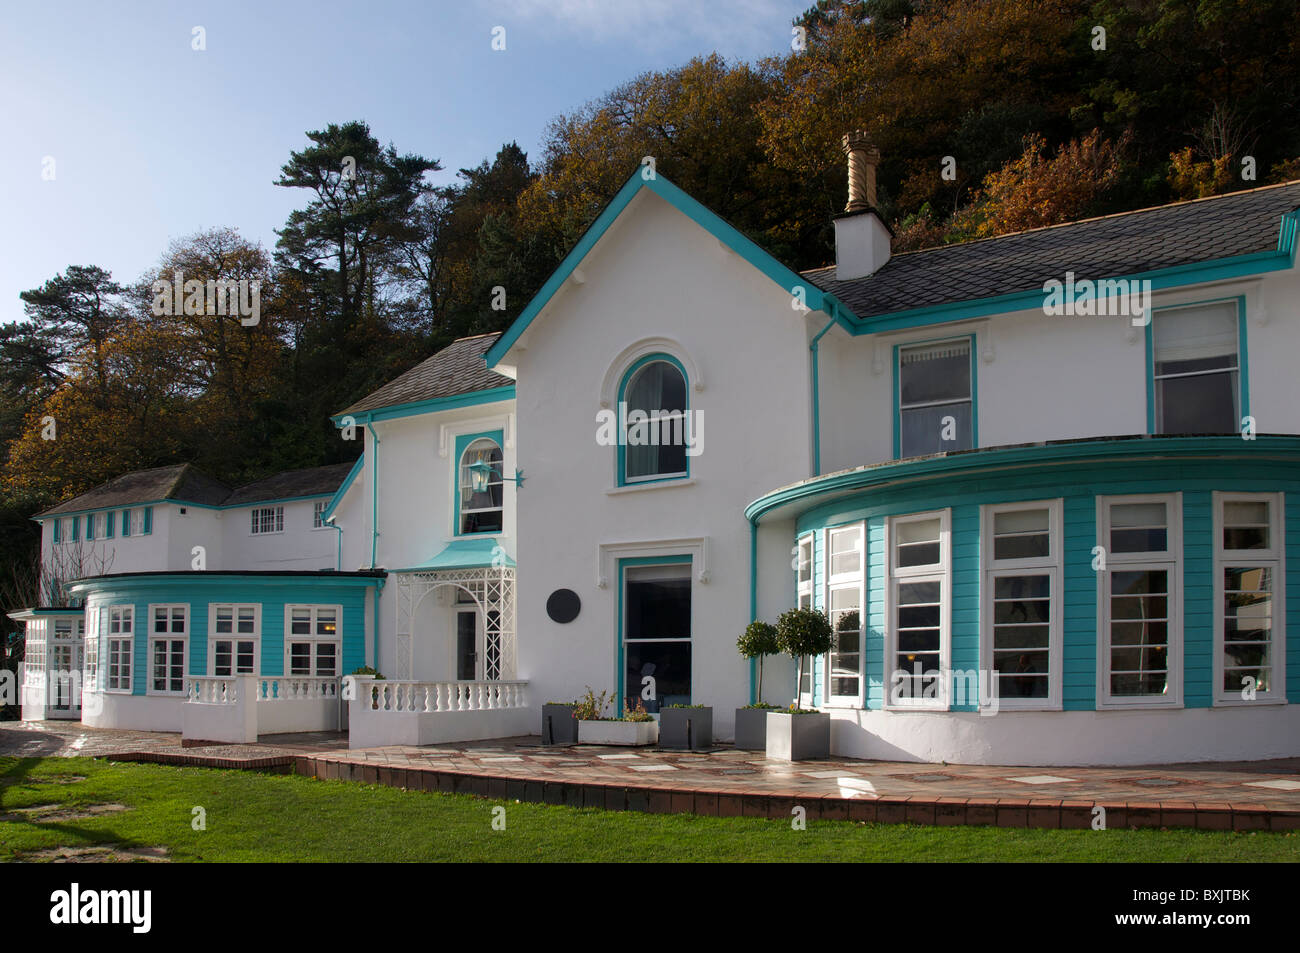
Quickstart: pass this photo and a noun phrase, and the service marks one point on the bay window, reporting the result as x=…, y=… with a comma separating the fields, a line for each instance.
x=1250, y=618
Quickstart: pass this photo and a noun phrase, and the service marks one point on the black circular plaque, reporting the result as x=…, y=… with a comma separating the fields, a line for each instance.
x=563, y=605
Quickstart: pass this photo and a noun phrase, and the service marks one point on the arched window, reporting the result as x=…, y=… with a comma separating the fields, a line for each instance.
x=481, y=494
x=654, y=420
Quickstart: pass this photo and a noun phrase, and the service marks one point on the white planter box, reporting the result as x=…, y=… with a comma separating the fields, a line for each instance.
x=618, y=732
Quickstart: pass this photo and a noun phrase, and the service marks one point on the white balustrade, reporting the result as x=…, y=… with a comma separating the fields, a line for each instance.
x=208, y=690
x=407, y=696
x=296, y=687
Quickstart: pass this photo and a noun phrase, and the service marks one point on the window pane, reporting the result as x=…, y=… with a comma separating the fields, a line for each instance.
x=922, y=429
x=1205, y=403
x=300, y=622
x=1184, y=337
x=1021, y=534
x=1138, y=528
x=669, y=663
x=652, y=449
x=845, y=555
x=1245, y=525
x=934, y=372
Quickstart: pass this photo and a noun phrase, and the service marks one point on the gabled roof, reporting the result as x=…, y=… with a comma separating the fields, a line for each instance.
x=456, y=370
x=185, y=483
x=1126, y=244
x=707, y=219
x=312, y=481
x=181, y=482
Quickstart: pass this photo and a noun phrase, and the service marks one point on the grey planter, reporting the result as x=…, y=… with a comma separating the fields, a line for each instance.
x=803, y=737
x=686, y=728
x=751, y=728
x=559, y=727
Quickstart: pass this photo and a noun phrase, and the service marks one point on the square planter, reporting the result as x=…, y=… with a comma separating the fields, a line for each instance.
x=559, y=727
x=803, y=737
x=686, y=728
x=618, y=732
x=751, y=728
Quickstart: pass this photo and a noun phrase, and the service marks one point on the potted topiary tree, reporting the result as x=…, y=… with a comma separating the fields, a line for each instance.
x=758, y=640
x=801, y=734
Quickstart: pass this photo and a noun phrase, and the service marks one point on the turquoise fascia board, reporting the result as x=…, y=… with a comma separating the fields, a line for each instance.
x=1284, y=449
x=489, y=396
x=342, y=491
x=463, y=441
x=174, y=502
x=710, y=221
x=623, y=564
x=181, y=582
x=1221, y=269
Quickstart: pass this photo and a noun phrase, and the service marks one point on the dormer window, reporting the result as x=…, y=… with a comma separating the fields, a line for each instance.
x=480, y=488
x=653, y=421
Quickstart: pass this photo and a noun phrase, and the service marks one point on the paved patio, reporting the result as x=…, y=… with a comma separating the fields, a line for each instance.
x=725, y=781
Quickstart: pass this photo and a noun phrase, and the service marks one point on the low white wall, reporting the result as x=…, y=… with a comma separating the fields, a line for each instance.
x=233, y=724
x=373, y=729
x=1070, y=737
x=33, y=702
x=285, y=715
x=135, y=712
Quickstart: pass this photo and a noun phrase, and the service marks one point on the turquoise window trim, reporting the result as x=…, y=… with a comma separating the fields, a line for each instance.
x=108, y=523
x=1243, y=362
x=90, y=526
x=974, y=390
x=623, y=564
x=489, y=396
x=621, y=450
x=463, y=441
x=57, y=524
x=126, y=523
x=148, y=521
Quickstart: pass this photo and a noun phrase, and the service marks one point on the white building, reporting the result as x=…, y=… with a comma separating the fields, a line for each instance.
x=1045, y=534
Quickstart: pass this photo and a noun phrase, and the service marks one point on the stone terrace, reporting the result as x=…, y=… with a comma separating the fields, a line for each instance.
x=727, y=782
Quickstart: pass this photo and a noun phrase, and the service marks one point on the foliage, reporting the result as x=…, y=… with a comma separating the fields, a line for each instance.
x=758, y=639
x=636, y=712
x=369, y=670
x=591, y=707
x=804, y=631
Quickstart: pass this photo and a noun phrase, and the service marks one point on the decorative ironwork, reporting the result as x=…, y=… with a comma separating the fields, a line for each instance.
x=492, y=589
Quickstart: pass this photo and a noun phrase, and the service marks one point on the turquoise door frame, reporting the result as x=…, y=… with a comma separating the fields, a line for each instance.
x=623, y=564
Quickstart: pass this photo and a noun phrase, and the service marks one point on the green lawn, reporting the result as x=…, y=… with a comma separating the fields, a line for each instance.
x=255, y=817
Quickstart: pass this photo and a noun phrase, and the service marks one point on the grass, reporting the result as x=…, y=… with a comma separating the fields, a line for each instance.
x=262, y=817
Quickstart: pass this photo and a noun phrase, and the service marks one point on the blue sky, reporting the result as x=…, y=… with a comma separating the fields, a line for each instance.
x=153, y=140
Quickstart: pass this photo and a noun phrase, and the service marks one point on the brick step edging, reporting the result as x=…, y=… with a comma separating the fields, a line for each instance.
x=1050, y=813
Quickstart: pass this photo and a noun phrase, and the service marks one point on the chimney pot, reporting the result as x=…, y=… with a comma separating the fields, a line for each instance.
x=864, y=157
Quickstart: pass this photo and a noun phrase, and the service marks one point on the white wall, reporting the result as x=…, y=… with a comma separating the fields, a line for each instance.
x=1053, y=378
x=654, y=274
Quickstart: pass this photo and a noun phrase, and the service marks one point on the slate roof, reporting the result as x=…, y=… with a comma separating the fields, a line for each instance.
x=185, y=483
x=182, y=482
x=458, y=368
x=1114, y=246
x=313, y=481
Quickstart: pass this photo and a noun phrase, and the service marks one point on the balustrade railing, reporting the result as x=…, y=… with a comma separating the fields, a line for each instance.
x=389, y=695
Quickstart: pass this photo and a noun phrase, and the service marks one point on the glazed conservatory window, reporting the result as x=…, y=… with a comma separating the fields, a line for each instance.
x=654, y=438
x=844, y=606
x=315, y=643
x=1195, y=369
x=934, y=398
x=482, y=501
x=267, y=519
x=120, y=632
x=168, y=636
x=1141, y=625
x=236, y=640
x=1021, y=597
x=919, y=594
x=1250, y=624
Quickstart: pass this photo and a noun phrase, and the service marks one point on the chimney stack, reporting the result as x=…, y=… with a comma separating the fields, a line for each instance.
x=861, y=239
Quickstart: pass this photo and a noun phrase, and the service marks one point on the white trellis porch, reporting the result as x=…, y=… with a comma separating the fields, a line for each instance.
x=492, y=589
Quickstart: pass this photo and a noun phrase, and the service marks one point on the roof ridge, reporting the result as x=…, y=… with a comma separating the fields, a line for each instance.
x=1080, y=221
